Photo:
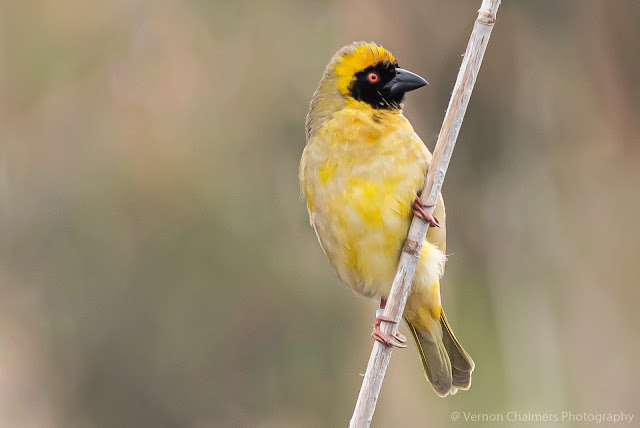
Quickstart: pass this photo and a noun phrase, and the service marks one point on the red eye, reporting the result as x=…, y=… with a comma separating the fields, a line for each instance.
x=373, y=77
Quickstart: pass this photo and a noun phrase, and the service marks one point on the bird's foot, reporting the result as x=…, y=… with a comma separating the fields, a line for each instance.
x=398, y=340
x=418, y=210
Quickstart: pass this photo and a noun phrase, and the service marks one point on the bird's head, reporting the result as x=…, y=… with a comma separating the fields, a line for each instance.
x=362, y=75
x=369, y=73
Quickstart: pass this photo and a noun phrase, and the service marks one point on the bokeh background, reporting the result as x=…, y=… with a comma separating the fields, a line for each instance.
x=157, y=268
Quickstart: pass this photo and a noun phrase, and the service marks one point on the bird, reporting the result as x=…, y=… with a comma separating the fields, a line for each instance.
x=361, y=173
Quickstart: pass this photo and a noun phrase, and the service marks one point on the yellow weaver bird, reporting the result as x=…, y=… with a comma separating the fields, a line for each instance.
x=360, y=172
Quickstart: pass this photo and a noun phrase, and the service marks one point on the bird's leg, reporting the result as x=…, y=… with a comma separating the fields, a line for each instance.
x=398, y=340
x=418, y=210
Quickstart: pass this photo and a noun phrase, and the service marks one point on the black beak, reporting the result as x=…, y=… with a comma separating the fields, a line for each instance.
x=404, y=81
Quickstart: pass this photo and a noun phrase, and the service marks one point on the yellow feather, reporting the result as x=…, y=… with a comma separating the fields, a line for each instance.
x=361, y=176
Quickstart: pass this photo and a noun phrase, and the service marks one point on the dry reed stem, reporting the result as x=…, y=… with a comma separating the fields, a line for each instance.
x=381, y=354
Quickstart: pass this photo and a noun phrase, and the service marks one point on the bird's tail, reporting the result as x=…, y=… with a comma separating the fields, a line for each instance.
x=446, y=364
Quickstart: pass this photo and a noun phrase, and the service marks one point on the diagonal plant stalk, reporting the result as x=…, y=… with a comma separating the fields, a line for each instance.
x=381, y=354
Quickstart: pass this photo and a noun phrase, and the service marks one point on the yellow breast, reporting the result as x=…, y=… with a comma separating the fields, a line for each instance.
x=360, y=174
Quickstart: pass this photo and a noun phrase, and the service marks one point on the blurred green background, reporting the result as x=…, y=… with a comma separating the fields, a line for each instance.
x=157, y=268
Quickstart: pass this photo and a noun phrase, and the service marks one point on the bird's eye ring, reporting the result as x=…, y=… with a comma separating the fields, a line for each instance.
x=373, y=77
